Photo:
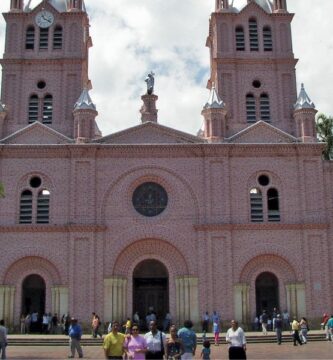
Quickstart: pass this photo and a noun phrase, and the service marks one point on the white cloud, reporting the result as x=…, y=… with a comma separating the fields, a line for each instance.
x=131, y=38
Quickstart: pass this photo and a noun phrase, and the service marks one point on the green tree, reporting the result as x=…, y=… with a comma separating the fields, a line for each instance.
x=2, y=191
x=324, y=127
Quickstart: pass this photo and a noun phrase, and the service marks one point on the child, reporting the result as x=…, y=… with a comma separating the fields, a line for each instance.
x=205, y=352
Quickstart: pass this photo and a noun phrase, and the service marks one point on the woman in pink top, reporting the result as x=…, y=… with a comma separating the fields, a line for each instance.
x=135, y=345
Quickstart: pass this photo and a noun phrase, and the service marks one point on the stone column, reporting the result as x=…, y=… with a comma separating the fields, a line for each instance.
x=7, y=294
x=291, y=299
x=187, y=304
x=115, y=295
x=60, y=299
x=300, y=300
x=242, y=303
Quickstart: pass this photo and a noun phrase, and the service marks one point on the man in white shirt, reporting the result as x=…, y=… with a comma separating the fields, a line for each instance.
x=3, y=339
x=156, y=342
x=236, y=338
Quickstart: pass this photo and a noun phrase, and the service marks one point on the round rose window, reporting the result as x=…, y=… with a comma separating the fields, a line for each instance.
x=150, y=199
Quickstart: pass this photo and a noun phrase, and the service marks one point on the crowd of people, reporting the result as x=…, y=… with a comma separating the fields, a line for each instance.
x=124, y=340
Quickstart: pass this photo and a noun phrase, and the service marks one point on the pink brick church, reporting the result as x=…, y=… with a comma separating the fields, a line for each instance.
x=236, y=218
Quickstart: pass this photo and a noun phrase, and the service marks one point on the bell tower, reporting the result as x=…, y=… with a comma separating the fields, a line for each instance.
x=252, y=63
x=45, y=64
x=16, y=5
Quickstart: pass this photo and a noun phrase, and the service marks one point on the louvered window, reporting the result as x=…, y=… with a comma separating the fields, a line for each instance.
x=240, y=39
x=43, y=38
x=273, y=205
x=47, y=109
x=268, y=43
x=33, y=109
x=43, y=207
x=26, y=207
x=253, y=33
x=251, y=109
x=57, y=38
x=265, y=113
x=30, y=38
x=256, y=205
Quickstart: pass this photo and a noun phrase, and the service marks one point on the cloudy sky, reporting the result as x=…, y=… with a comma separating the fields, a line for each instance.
x=132, y=37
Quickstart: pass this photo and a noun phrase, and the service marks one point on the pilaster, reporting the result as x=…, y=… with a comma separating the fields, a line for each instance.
x=7, y=294
x=115, y=295
x=242, y=303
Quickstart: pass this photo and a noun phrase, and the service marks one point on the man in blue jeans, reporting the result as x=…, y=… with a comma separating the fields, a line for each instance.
x=75, y=334
x=189, y=339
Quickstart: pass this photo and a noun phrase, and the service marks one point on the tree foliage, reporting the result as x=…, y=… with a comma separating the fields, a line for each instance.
x=324, y=127
x=2, y=190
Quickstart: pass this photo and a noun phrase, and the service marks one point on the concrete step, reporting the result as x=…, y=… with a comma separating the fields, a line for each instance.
x=87, y=341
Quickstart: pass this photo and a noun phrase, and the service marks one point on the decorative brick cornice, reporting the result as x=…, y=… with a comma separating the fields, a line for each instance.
x=262, y=226
x=80, y=228
x=41, y=61
x=160, y=150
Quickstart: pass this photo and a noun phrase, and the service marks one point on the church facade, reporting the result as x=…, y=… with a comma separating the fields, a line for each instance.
x=235, y=218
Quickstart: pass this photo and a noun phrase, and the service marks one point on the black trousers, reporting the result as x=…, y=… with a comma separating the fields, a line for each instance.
x=237, y=353
x=158, y=355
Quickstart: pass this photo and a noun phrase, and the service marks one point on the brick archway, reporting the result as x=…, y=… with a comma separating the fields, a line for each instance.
x=34, y=265
x=276, y=265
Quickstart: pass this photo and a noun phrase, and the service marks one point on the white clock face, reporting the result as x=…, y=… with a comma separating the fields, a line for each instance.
x=44, y=19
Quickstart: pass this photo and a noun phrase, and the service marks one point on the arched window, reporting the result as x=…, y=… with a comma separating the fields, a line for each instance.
x=57, y=38
x=33, y=109
x=43, y=38
x=268, y=43
x=273, y=205
x=250, y=108
x=43, y=207
x=256, y=205
x=30, y=38
x=240, y=39
x=253, y=33
x=26, y=207
x=47, y=109
x=265, y=113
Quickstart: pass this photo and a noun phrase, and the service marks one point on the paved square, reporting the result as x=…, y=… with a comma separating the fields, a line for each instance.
x=315, y=350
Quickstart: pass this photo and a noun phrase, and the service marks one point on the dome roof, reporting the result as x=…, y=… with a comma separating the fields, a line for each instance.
x=238, y=5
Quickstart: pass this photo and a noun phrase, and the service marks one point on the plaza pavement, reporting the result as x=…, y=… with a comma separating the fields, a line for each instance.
x=314, y=350
x=271, y=351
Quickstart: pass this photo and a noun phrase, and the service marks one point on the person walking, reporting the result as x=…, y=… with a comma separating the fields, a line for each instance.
x=189, y=340
x=237, y=342
x=295, y=331
x=156, y=342
x=330, y=327
x=216, y=327
x=95, y=324
x=75, y=334
x=3, y=339
x=205, y=324
x=113, y=344
x=304, y=330
x=174, y=346
x=278, y=328
x=264, y=321
x=135, y=345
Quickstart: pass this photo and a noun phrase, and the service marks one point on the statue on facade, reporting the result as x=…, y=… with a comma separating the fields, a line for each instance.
x=150, y=80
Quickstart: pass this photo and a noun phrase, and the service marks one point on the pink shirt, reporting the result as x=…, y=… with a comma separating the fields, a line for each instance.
x=135, y=343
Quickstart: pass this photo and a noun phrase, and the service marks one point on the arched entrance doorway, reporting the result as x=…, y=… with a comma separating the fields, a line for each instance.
x=267, y=292
x=33, y=294
x=151, y=289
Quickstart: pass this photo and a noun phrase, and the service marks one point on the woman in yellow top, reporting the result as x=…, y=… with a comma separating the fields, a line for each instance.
x=295, y=330
x=128, y=326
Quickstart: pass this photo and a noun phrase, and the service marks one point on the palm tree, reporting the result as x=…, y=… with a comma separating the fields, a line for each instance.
x=324, y=127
